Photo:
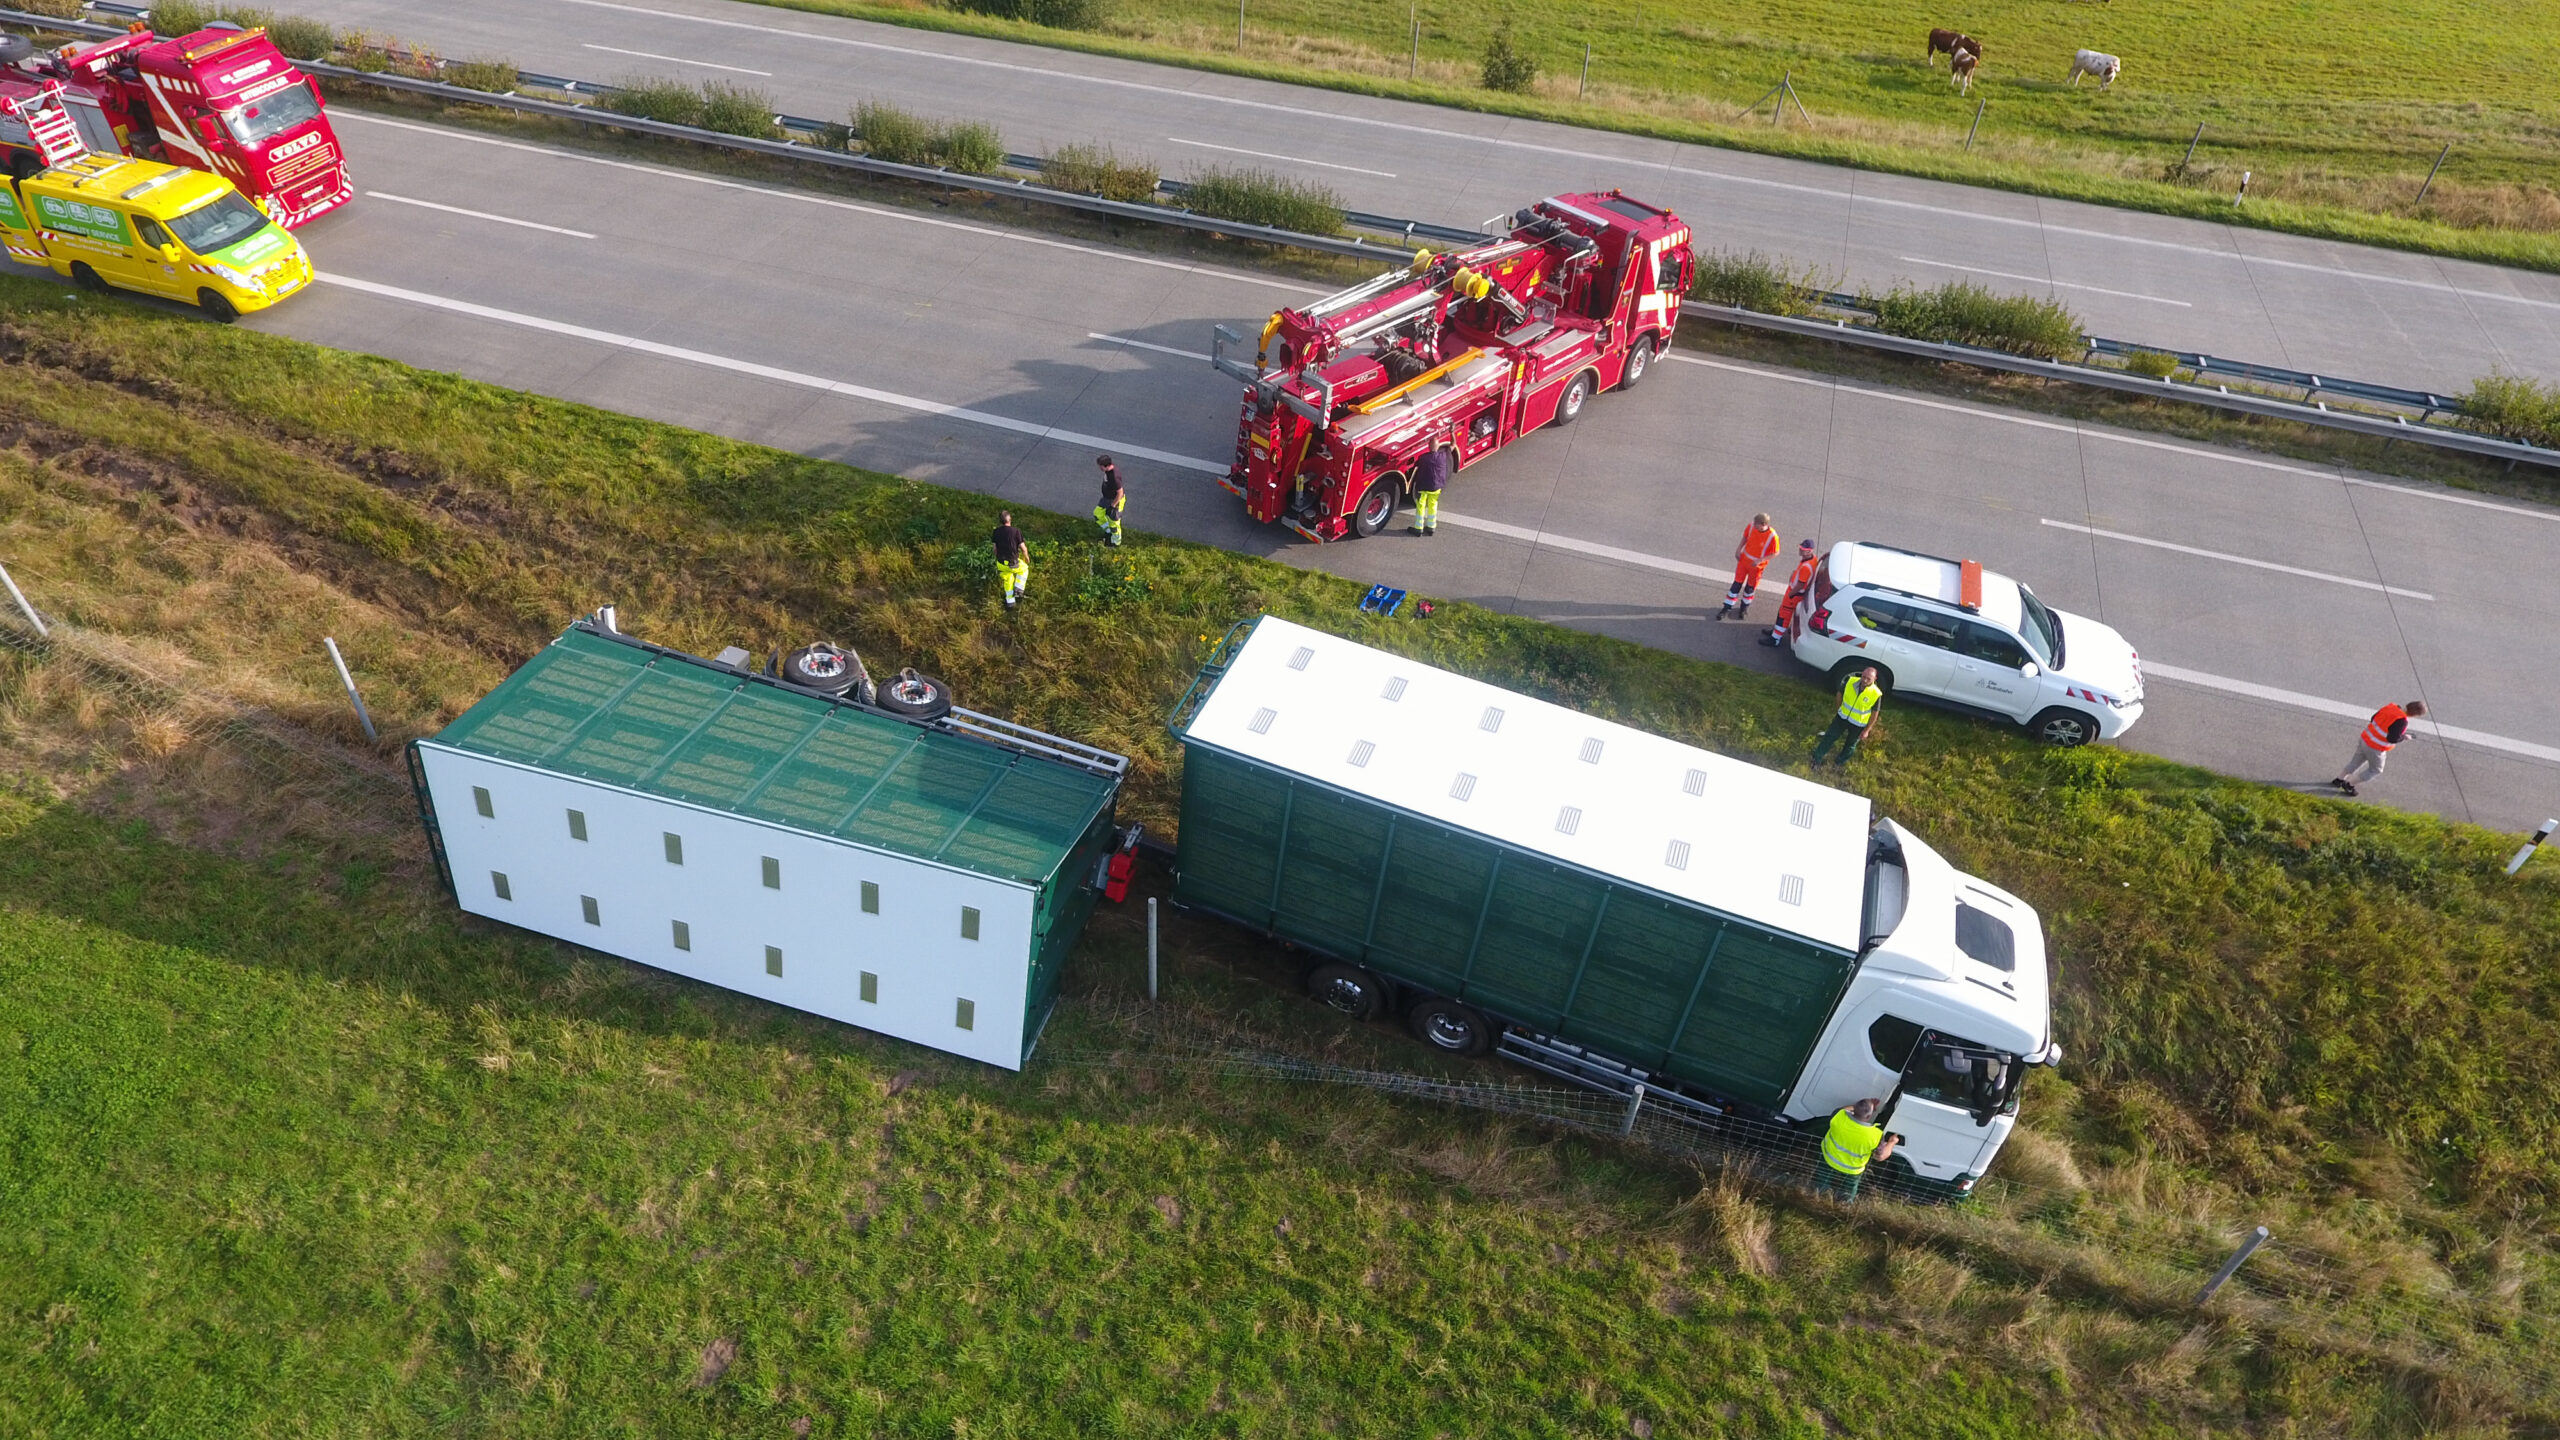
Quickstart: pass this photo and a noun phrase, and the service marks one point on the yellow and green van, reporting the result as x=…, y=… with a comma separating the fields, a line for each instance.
x=116, y=221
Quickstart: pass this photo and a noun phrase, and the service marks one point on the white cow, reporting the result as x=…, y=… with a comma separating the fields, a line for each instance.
x=2098, y=63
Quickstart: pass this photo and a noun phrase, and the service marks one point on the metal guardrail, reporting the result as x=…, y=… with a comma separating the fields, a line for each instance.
x=2312, y=411
x=2216, y=396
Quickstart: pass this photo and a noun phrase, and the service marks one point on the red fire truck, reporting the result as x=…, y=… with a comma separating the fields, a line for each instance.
x=220, y=99
x=1470, y=349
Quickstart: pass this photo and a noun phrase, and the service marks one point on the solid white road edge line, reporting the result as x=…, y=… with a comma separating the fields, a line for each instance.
x=2226, y=457
x=2039, y=280
x=1580, y=547
x=476, y=214
x=771, y=372
x=1289, y=159
x=1145, y=345
x=1848, y=196
x=2235, y=559
x=808, y=199
x=2345, y=711
x=679, y=60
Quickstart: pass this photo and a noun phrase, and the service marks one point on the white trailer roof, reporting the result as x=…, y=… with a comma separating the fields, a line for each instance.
x=1636, y=807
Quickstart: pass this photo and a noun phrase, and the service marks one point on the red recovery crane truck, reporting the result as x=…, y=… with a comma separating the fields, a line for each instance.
x=219, y=99
x=1472, y=349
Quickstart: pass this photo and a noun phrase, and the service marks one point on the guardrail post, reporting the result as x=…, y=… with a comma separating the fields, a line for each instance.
x=349, y=681
x=38, y=621
x=2248, y=1246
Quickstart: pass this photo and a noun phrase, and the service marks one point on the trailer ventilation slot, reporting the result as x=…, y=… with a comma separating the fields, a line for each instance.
x=1695, y=783
x=1463, y=787
x=1790, y=889
x=1262, y=719
x=1591, y=751
x=1299, y=660
x=1677, y=857
x=1492, y=720
x=1395, y=688
x=1569, y=820
x=1802, y=816
x=1361, y=752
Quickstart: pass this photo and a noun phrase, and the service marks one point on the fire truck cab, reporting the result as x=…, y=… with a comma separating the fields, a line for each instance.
x=222, y=100
x=1470, y=349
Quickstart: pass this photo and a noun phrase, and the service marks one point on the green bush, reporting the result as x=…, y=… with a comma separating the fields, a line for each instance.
x=1097, y=170
x=1505, y=67
x=737, y=110
x=1751, y=280
x=970, y=146
x=647, y=97
x=172, y=18
x=57, y=9
x=1964, y=313
x=497, y=77
x=1056, y=14
x=903, y=137
x=301, y=38
x=2512, y=407
x=2157, y=364
x=1259, y=197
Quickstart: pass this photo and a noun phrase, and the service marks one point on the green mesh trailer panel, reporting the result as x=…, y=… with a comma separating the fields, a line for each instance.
x=1659, y=981
x=663, y=725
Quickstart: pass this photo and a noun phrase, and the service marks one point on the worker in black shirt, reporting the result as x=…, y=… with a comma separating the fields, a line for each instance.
x=1429, y=474
x=1013, y=560
x=1115, y=498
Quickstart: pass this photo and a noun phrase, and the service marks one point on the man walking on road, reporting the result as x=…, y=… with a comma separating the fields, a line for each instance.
x=1858, y=700
x=1115, y=499
x=1750, y=561
x=2388, y=727
x=1429, y=474
x=1853, y=1142
x=1013, y=560
x=1798, y=587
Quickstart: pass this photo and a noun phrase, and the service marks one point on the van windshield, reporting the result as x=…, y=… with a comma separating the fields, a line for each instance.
x=218, y=224
x=2041, y=627
x=272, y=115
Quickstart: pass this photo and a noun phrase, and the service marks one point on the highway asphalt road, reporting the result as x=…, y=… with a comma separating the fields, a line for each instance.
x=2275, y=604
x=2352, y=311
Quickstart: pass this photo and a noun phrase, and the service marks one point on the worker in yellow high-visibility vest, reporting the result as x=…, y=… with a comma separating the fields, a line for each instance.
x=1858, y=701
x=1852, y=1143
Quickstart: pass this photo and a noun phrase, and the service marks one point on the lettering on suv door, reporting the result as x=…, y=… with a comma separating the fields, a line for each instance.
x=1989, y=665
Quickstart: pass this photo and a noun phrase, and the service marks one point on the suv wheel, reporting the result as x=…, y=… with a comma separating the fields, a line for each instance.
x=2059, y=726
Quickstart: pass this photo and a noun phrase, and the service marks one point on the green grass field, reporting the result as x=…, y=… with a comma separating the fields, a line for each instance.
x=2339, y=111
x=287, y=1148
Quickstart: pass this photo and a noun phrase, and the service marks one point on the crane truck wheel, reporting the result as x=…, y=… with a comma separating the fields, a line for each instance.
x=1445, y=1024
x=1577, y=394
x=1639, y=360
x=1377, y=505
x=1348, y=989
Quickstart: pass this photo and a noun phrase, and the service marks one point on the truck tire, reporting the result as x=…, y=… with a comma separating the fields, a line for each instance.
x=1377, y=509
x=1639, y=361
x=830, y=669
x=2064, y=727
x=1577, y=394
x=914, y=696
x=1450, y=1026
x=215, y=307
x=88, y=279
x=1347, y=989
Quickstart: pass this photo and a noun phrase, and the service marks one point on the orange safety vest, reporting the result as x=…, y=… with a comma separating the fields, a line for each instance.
x=1802, y=584
x=2377, y=731
x=1759, y=547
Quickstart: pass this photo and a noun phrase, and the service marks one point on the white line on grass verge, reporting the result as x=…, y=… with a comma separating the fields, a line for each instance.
x=771, y=372
x=680, y=60
x=2235, y=559
x=2040, y=280
x=2345, y=711
x=805, y=198
x=1289, y=159
x=478, y=215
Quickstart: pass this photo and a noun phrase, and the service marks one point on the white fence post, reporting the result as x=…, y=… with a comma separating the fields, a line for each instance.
x=23, y=607
x=349, y=681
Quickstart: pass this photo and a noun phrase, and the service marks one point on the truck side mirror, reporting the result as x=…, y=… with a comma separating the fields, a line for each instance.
x=172, y=253
x=2029, y=670
x=209, y=129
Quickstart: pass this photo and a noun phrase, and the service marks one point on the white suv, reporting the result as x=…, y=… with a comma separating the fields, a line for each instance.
x=1953, y=633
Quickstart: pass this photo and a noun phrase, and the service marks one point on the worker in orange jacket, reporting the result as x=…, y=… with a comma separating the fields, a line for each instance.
x=1798, y=587
x=1750, y=561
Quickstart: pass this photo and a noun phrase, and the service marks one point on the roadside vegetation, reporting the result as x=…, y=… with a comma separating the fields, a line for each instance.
x=903, y=137
x=1098, y=170
x=2514, y=407
x=1260, y=197
x=258, y=1080
x=712, y=105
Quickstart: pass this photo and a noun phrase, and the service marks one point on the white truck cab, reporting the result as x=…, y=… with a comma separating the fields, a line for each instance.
x=1954, y=634
x=1950, y=1004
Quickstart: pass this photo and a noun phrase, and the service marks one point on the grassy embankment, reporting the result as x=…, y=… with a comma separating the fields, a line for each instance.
x=2338, y=112
x=290, y=1149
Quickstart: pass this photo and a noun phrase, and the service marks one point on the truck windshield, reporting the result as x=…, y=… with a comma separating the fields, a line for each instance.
x=218, y=224
x=2042, y=628
x=289, y=108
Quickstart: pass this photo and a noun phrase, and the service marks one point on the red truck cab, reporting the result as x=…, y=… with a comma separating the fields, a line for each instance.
x=1470, y=349
x=223, y=100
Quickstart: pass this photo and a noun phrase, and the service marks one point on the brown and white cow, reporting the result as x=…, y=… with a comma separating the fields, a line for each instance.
x=1960, y=65
x=2098, y=63
x=1947, y=43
